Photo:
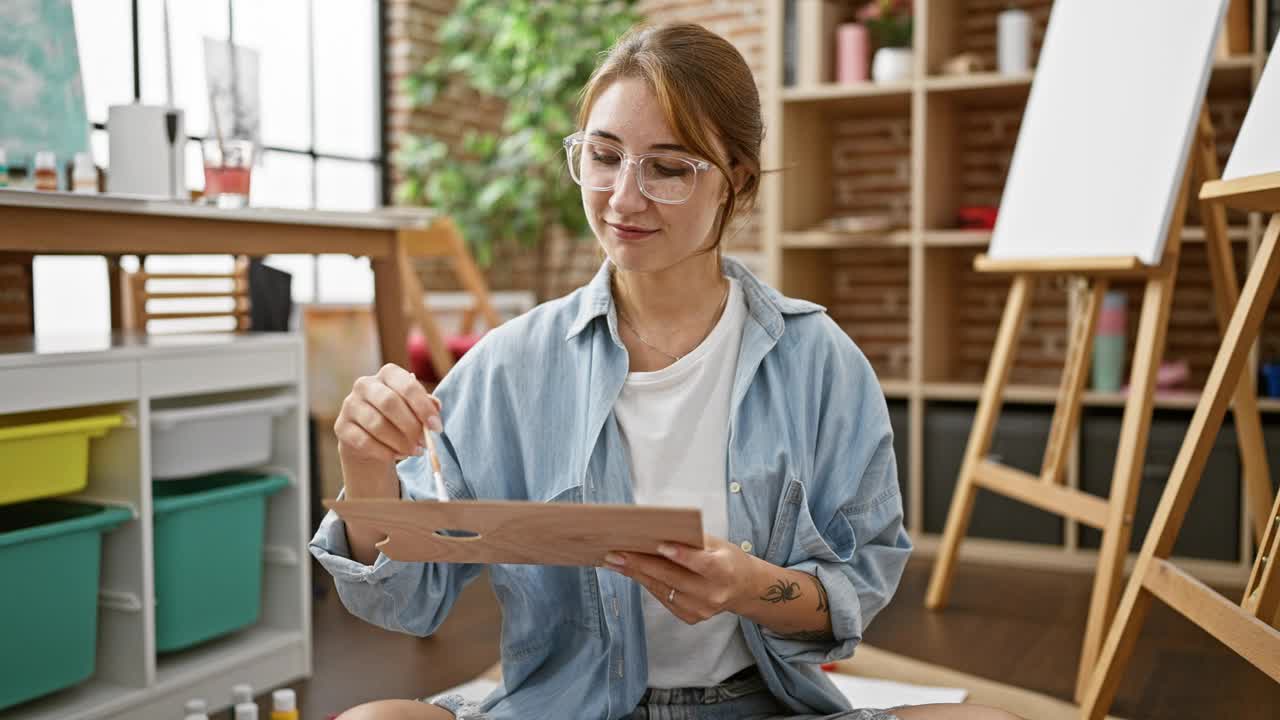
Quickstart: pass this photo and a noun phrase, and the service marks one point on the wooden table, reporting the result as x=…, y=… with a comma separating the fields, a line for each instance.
x=63, y=223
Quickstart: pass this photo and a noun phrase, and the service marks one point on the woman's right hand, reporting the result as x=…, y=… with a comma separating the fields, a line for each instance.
x=383, y=419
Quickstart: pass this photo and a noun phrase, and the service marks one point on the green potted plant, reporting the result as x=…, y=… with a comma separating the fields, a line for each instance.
x=511, y=185
x=889, y=22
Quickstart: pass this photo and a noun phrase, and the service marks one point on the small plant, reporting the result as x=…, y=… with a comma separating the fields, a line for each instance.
x=888, y=21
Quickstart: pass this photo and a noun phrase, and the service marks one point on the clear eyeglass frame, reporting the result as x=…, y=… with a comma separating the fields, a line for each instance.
x=698, y=166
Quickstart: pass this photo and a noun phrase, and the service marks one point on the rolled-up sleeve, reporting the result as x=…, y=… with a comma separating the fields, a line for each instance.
x=859, y=554
x=401, y=596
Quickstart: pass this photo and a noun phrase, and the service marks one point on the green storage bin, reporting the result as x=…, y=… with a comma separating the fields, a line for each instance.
x=47, y=454
x=51, y=553
x=208, y=555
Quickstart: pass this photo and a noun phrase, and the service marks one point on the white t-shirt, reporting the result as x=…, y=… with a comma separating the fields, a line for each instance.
x=675, y=426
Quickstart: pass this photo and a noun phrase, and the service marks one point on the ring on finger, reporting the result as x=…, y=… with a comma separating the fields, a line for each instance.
x=671, y=596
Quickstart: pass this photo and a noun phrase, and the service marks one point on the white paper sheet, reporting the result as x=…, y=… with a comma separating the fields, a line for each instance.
x=874, y=693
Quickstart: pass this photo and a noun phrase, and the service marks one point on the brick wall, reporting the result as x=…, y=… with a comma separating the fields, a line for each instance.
x=561, y=264
x=741, y=22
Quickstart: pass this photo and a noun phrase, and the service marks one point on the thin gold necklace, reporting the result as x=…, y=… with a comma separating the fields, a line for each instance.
x=674, y=358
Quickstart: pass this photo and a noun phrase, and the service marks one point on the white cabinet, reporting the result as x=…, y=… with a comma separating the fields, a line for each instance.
x=152, y=381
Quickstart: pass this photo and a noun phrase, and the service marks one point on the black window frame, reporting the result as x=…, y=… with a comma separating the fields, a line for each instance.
x=379, y=159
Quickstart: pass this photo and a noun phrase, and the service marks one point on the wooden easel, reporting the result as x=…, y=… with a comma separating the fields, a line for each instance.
x=1112, y=515
x=1248, y=628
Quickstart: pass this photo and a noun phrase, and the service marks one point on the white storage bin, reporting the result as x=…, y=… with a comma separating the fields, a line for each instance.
x=236, y=435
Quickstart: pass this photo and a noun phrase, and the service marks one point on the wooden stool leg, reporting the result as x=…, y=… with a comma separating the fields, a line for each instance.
x=979, y=440
x=115, y=293
x=17, y=316
x=1242, y=330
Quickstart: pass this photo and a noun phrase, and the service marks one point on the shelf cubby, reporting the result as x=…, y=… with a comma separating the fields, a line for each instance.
x=1212, y=527
x=846, y=157
x=969, y=136
x=1020, y=437
x=962, y=315
x=1192, y=335
x=969, y=26
x=867, y=292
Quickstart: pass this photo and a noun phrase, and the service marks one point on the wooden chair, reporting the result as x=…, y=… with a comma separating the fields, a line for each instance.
x=141, y=287
x=441, y=239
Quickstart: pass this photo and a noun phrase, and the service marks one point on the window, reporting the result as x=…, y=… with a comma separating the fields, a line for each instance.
x=321, y=95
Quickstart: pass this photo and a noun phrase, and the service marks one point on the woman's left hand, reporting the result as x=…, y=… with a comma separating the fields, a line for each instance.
x=695, y=585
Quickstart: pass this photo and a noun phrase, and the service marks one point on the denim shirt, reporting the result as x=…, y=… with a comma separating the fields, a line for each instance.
x=528, y=415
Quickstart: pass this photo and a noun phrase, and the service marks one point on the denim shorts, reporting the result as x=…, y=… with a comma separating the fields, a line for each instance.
x=742, y=697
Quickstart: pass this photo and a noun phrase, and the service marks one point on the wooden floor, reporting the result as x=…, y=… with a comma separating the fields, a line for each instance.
x=1020, y=627
x=1024, y=628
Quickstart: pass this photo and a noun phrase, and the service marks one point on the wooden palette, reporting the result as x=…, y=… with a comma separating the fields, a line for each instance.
x=519, y=532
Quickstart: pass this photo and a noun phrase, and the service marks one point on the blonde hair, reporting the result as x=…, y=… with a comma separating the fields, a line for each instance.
x=706, y=92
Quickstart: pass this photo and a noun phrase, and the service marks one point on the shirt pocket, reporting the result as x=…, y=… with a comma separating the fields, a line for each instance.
x=796, y=537
x=538, y=601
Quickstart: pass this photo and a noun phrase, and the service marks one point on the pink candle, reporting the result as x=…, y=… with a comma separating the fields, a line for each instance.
x=852, y=53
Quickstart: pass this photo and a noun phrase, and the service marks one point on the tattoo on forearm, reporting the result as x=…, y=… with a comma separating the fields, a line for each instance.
x=806, y=635
x=781, y=591
x=822, y=596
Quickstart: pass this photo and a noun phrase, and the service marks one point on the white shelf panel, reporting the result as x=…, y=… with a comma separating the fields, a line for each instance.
x=187, y=667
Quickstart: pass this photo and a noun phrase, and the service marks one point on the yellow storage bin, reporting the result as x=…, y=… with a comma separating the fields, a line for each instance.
x=44, y=455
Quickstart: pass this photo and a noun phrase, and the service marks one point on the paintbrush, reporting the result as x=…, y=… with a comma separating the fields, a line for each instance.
x=441, y=494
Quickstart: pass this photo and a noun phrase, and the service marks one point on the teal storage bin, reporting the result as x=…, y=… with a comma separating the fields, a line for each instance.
x=208, y=555
x=51, y=555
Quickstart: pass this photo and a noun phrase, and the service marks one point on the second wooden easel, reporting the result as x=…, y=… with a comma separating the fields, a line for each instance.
x=1113, y=515
x=1249, y=628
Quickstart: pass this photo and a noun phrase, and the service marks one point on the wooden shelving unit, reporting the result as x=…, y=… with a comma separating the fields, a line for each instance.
x=917, y=151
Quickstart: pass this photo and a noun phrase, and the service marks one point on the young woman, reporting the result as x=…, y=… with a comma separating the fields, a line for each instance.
x=674, y=378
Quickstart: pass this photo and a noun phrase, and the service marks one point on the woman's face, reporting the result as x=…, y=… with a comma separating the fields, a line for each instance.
x=638, y=234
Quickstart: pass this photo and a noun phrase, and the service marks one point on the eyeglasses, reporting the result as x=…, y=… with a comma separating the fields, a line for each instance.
x=664, y=178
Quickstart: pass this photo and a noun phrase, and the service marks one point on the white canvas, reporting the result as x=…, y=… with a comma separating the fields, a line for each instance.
x=1257, y=147
x=1107, y=128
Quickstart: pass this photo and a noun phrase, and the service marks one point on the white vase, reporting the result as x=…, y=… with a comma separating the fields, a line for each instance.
x=1013, y=42
x=892, y=64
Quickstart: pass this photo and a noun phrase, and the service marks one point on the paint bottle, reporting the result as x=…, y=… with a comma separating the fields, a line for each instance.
x=242, y=693
x=1108, y=344
x=284, y=705
x=246, y=711
x=196, y=706
x=196, y=716
x=46, y=170
x=84, y=175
